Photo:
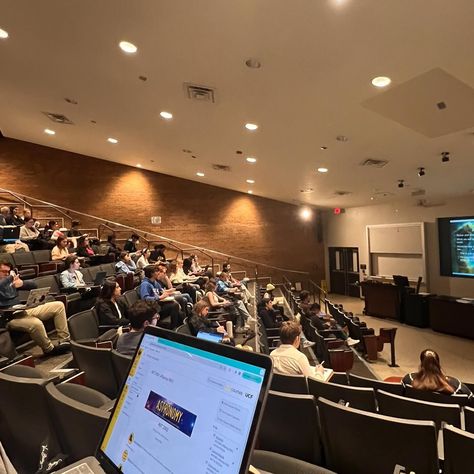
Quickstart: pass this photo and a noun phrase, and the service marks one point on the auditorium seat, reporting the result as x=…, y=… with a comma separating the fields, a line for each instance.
x=333, y=352
x=458, y=451
x=361, y=398
x=108, y=268
x=280, y=464
x=390, y=387
x=403, y=407
x=469, y=419
x=25, y=273
x=290, y=426
x=78, y=422
x=289, y=384
x=340, y=378
x=184, y=329
x=97, y=366
x=84, y=327
x=358, y=442
x=131, y=297
x=435, y=397
x=121, y=365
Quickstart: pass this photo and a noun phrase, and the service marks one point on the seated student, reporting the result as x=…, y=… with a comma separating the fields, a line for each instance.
x=112, y=246
x=270, y=318
x=430, y=377
x=4, y=215
x=143, y=261
x=305, y=301
x=141, y=315
x=224, y=285
x=131, y=243
x=200, y=322
x=181, y=281
x=15, y=217
x=242, y=284
x=108, y=307
x=83, y=247
x=151, y=290
x=31, y=320
x=125, y=264
x=31, y=236
x=287, y=359
x=72, y=277
x=158, y=253
x=74, y=230
x=60, y=250
x=183, y=299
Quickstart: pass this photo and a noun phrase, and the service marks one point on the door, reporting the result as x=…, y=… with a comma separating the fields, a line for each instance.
x=344, y=270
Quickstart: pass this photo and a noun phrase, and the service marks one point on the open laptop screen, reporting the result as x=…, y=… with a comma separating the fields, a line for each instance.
x=183, y=410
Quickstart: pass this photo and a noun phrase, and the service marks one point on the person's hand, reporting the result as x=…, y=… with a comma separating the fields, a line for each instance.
x=17, y=282
x=220, y=329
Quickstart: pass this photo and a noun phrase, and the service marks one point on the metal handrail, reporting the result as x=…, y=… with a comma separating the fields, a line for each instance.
x=65, y=210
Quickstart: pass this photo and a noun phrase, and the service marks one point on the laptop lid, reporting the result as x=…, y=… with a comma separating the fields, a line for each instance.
x=99, y=278
x=187, y=406
x=210, y=336
x=37, y=296
x=10, y=233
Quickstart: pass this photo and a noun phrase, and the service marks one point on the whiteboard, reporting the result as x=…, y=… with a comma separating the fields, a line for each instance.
x=400, y=238
x=411, y=266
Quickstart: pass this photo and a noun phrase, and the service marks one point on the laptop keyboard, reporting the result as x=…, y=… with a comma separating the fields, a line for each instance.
x=81, y=469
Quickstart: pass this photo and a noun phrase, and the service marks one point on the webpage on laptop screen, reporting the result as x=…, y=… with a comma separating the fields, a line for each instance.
x=183, y=410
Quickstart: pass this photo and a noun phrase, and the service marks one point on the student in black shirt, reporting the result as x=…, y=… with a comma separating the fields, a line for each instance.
x=108, y=307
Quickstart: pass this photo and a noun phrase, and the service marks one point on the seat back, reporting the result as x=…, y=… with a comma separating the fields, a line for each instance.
x=24, y=420
x=280, y=464
x=289, y=384
x=403, y=407
x=339, y=378
x=469, y=419
x=359, y=442
x=121, y=365
x=48, y=280
x=131, y=297
x=390, y=387
x=41, y=256
x=83, y=325
x=184, y=329
x=98, y=368
x=23, y=258
x=357, y=397
x=108, y=268
x=435, y=397
x=290, y=426
x=79, y=426
x=458, y=451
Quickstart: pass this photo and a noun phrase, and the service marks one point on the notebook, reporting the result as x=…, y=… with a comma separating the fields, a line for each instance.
x=186, y=406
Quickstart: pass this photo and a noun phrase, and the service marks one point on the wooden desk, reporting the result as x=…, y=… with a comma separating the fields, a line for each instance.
x=449, y=316
x=381, y=299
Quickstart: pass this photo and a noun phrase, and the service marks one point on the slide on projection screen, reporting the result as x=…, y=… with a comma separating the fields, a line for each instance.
x=456, y=238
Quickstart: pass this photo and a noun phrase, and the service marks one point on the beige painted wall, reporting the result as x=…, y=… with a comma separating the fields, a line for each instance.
x=349, y=230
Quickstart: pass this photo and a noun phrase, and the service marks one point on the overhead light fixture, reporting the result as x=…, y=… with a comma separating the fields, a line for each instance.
x=250, y=181
x=112, y=140
x=138, y=165
x=323, y=170
x=381, y=81
x=342, y=138
x=421, y=172
x=306, y=213
x=166, y=115
x=251, y=159
x=128, y=47
x=401, y=183
x=48, y=131
x=250, y=191
x=200, y=174
x=323, y=147
x=251, y=126
x=372, y=198
x=445, y=156
x=3, y=34
x=253, y=63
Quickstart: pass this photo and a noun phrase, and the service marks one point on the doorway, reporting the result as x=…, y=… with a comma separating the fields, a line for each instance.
x=344, y=271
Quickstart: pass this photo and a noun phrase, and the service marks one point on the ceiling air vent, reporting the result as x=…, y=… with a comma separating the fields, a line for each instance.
x=58, y=118
x=221, y=167
x=418, y=192
x=200, y=93
x=342, y=193
x=374, y=162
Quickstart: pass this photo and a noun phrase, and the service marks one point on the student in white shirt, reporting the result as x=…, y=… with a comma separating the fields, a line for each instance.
x=287, y=359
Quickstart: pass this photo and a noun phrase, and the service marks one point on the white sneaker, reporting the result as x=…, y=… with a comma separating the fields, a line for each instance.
x=307, y=344
x=352, y=342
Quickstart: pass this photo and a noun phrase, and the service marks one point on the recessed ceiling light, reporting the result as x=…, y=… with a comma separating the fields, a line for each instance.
x=251, y=126
x=372, y=198
x=166, y=115
x=251, y=159
x=49, y=131
x=3, y=34
x=200, y=174
x=250, y=191
x=381, y=81
x=306, y=213
x=323, y=170
x=112, y=140
x=251, y=181
x=253, y=63
x=139, y=165
x=127, y=47
x=323, y=147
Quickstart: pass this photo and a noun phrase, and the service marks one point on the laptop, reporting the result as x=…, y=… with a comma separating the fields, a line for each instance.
x=35, y=298
x=186, y=406
x=99, y=278
x=10, y=234
x=210, y=336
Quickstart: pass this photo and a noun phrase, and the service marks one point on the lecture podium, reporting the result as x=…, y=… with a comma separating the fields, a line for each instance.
x=382, y=300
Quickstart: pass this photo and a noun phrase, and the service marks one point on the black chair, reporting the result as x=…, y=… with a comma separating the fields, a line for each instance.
x=97, y=366
x=469, y=419
x=26, y=273
x=121, y=365
x=435, y=397
x=390, y=387
x=108, y=268
x=131, y=297
x=358, y=442
x=184, y=329
x=289, y=384
x=361, y=398
x=339, y=378
x=290, y=426
x=84, y=327
x=79, y=423
x=458, y=451
x=280, y=464
x=403, y=407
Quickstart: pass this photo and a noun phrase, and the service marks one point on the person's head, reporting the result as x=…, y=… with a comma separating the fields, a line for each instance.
x=125, y=257
x=14, y=210
x=315, y=308
x=72, y=263
x=27, y=214
x=111, y=238
x=146, y=253
x=75, y=224
x=162, y=267
x=224, y=276
x=187, y=262
x=142, y=314
x=179, y=263
x=173, y=268
x=430, y=376
x=5, y=211
x=5, y=268
x=226, y=267
x=30, y=223
x=290, y=333
x=134, y=238
x=268, y=302
x=110, y=290
x=61, y=242
x=305, y=296
x=82, y=242
x=151, y=272
x=211, y=286
x=53, y=225
x=201, y=308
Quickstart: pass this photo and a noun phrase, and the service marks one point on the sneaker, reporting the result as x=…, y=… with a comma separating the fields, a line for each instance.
x=61, y=348
x=352, y=342
x=307, y=344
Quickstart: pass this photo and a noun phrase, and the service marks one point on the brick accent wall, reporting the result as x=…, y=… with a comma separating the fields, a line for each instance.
x=252, y=227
